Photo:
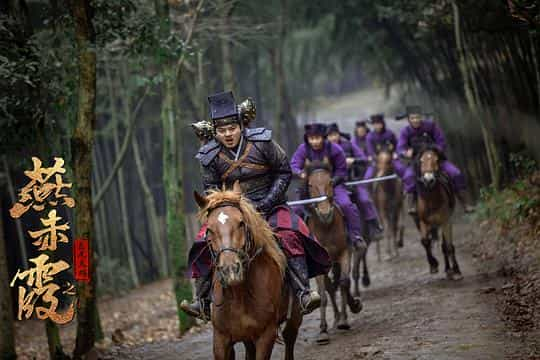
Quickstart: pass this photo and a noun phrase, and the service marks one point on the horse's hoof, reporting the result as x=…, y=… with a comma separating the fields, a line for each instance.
x=322, y=338
x=366, y=281
x=343, y=325
x=355, y=305
x=455, y=276
x=434, y=269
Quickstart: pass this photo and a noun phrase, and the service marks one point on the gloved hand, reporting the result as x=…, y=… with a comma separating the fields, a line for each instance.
x=336, y=180
x=263, y=206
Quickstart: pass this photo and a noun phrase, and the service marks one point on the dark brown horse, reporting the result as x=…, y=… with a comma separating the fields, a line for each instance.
x=388, y=199
x=327, y=223
x=435, y=207
x=250, y=298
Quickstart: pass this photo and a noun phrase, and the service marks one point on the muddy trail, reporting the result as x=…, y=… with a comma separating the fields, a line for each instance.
x=408, y=314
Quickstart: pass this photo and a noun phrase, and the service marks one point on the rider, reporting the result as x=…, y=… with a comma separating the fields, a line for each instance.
x=262, y=168
x=379, y=139
x=317, y=147
x=361, y=132
x=363, y=200
x=415, y=137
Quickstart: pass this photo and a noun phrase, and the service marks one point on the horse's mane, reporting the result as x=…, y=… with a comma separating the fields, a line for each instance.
x=318, y=165
x=262, y=234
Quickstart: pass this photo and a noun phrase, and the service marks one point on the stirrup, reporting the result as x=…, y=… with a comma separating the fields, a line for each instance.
x=197, y=309
x=313, y=303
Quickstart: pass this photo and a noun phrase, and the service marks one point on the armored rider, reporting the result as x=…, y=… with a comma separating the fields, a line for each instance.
x=262, y=168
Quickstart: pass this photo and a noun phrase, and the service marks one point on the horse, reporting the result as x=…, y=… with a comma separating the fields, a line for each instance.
x=327, y=223
x=250, y=297
x=388, y=199
x=435, y=207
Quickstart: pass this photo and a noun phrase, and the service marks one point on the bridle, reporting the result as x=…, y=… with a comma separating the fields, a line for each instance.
x=324, y=218
x=245, y=253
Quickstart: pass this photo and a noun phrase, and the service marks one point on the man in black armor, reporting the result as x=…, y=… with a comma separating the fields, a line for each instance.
x=263, y=171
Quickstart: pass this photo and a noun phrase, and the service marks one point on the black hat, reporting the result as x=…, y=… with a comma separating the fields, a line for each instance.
x=333, y=127
x=413, y=109
x=376, y=118
x=314, y=129
x=223, y=109
x=361, y=123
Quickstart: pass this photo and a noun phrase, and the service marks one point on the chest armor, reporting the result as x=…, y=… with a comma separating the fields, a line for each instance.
x=251, y=170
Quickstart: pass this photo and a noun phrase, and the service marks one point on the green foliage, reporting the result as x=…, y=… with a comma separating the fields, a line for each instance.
x=523, y=164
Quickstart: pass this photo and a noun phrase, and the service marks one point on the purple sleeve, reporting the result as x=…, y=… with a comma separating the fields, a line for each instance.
x=370, y=144
x=338, y=161
x=298, y=159
x=357, y=152
x=438, y=137
x=403, y=141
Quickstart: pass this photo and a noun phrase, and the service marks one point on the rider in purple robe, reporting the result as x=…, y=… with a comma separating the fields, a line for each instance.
x=418, y=135
x=363, y=199
x=378, y=139
x=361, y=132
x=317, y=147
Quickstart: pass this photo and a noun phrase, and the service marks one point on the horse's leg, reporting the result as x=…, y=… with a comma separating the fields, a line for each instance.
x=222, y=347
x=265, y=344
x=250, y=350
x=448, y=240
x=331, y=289
x=426, y=242
x=356, y=270
x=322, y=338
x=365, y=277
x=290, y=333
x=446, y=251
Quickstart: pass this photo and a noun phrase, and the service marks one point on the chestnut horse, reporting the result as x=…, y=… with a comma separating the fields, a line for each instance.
x=327, y=223
x=250, y=297
x=388, y=199
x=435, y=207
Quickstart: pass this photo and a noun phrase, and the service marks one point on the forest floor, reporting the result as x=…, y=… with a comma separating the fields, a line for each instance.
x=408, y=314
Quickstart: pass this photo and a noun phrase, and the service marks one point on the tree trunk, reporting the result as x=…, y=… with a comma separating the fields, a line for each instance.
x=126, y=229
x=172, y=176
x=229, y=79
x=82, y=167
x=7, y=329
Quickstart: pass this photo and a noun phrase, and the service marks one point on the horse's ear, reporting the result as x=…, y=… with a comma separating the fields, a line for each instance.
x=236, y=187
x=325, y=161
x=201, y=200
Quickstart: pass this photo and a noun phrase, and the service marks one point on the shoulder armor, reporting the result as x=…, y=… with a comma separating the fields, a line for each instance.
x=259, y=134
x=208, y=152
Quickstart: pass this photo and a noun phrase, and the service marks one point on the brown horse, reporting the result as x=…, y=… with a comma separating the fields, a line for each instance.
x=388, y=199
x=250, y=297
x=327, y=223
x=435, y=207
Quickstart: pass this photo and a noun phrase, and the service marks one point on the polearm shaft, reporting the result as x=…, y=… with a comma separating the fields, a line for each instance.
x=308, y=201
x=369, y=181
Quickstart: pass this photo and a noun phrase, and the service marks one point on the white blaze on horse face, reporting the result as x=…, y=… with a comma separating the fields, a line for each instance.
x=222, y=218
x=429, y=176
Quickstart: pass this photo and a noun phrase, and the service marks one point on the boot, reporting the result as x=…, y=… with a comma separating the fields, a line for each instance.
x=374, y=228
x=298, y=275
x=463, y=199
x=411, y=204
x=200, y=307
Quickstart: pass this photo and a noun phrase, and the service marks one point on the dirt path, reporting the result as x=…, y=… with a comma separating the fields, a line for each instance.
x=408, y=314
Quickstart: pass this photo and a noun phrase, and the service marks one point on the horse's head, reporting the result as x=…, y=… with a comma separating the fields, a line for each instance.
x=230, y=219
x=383, y=162
x=429, y=168
x=319, y=183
